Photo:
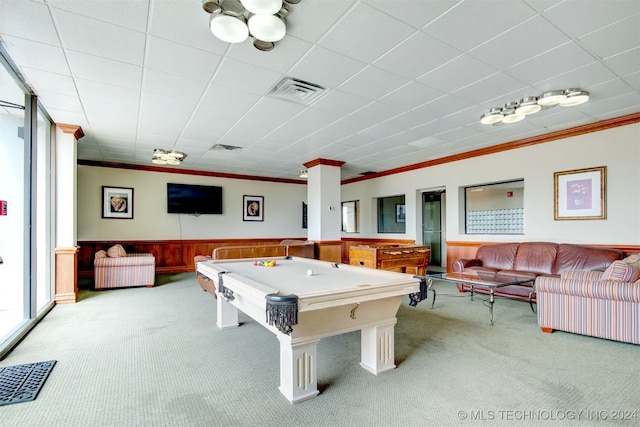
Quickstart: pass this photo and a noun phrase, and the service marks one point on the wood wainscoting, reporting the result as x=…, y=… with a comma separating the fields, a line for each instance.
x=176, y=256
x=172, y=256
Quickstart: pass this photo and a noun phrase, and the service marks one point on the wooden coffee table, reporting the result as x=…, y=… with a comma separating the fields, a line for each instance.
x=489, y=281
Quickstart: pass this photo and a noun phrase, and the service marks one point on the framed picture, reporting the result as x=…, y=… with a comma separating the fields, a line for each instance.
x=400, y=213
x=253, y=208
x=117, y=202
x=580, y=194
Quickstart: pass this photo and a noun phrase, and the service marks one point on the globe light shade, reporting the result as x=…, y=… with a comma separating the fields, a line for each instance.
x=512, y=118
x=528, y=105
x=574, y=97
x=549, y=99
x=493, y=116
x=228, y=28
x=262, y=7
x=268, y=28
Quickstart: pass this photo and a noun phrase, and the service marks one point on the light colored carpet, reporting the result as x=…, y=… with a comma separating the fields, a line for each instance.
x=154, y=357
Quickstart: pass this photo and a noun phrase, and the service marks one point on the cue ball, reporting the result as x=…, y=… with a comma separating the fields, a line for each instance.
x=309, y=272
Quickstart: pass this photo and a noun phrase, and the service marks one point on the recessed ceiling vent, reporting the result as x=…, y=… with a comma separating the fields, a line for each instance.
x=223, y=147
x=297, y=90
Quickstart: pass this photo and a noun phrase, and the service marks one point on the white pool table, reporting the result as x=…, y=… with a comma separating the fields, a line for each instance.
x=334, y=299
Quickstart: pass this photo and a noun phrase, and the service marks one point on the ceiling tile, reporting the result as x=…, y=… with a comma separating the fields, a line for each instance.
x=578, y=18
x=470, y=24
x=417, y=55
x=174, y=58
x=127, y=13
x=413, y=12
x=563, y=59
x=35, y=55
x=383, y=33
x=246, y=77
x=103, y=70
x=457, y=73
x=108, y=94
x=110, y=41
x=161, y=83
x=185, y=22
x=373, y=83
x=519, y=44
x=40, y=28
x=608, y=41
x=325, y=68
x=411, y=95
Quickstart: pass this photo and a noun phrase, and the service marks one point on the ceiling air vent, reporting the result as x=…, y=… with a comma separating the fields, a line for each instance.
x=223, y=147
x=297, y=90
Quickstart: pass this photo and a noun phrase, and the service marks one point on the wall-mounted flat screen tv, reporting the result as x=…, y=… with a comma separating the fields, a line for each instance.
x=194, y=199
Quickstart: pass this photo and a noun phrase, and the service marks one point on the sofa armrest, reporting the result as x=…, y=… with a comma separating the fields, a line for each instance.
x=129, y=260
x=198, y=258
x=462, y=263
x=581, y=275
x=598, y=289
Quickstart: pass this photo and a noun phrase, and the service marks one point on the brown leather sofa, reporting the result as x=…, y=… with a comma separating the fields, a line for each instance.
x=298, y=248
x=530, y=260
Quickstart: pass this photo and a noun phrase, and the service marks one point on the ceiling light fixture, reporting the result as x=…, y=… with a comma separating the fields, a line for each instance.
x=304, y=174
x=233, y=21
x=167, y=157
x=513, y=112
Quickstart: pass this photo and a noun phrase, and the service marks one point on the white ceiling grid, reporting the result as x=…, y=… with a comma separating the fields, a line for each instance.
x=406, y=80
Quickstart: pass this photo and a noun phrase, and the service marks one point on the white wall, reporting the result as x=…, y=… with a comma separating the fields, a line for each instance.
x=618, y=149
x=282, y=208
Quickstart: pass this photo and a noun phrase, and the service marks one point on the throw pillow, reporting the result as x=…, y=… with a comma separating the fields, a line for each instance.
x=116, y=251
x=621, y=271
x=101, y=254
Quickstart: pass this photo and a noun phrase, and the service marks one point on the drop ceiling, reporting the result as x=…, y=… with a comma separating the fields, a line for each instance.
x=403, y=82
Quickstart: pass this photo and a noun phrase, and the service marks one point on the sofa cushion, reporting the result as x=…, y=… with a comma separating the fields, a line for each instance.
x=621, y=271
x=101, y=254
x=577, y=257
x=535, y=257
x=498, y=256
x=116, y=251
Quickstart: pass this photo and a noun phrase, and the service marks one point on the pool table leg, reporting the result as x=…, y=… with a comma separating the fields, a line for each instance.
x=227, y=314
x=377, y=348
x=298, y=368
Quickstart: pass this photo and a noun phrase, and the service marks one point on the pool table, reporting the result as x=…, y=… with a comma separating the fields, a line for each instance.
x=302, y=300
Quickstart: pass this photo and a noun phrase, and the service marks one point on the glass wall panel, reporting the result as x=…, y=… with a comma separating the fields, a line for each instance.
x=44, y=248
x=14, y=213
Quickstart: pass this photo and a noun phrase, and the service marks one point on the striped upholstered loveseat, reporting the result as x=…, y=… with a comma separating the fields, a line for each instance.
x=600, y=304
x=117, y=269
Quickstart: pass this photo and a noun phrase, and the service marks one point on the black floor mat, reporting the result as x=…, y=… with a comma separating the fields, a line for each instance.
x=21, y=383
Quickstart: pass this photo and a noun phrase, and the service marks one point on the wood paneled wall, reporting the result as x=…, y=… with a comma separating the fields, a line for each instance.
x=176, y=256
x=172, y=256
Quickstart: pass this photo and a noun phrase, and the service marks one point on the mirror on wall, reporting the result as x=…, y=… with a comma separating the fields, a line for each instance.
x=350, y=216
x=496, y=208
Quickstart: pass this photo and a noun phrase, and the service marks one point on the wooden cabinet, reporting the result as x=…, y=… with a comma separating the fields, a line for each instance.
x=410, y=259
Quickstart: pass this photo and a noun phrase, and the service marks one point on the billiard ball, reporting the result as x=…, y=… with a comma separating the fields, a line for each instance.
x=309, y=272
